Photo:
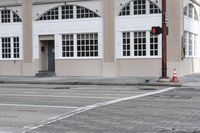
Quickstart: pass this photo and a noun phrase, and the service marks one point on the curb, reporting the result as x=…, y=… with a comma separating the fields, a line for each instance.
x=93, y=83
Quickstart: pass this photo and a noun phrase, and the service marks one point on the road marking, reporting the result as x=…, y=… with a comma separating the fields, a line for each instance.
x=86, y=108
x=29, y=92
x=53, y=96
x=39, y=106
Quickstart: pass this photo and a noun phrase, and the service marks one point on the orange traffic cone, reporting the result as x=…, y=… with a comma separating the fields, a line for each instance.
x=175, y=77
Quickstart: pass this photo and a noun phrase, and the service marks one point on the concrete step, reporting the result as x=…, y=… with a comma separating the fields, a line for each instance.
x=45, y=74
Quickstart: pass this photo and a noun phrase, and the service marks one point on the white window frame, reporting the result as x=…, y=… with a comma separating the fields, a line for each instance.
x=132, y=55
x=12, y=48
x=95, y=15
x=11, y=18
x=190, y=12
x=194, y=44
x=75, y=47
x=6, y=17
x=147, y=9
x=66, y=52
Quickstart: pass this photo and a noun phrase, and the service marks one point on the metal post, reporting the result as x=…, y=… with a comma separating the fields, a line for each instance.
x=164, y=41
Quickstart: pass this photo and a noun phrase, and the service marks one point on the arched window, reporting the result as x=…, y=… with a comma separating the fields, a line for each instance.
x=68, y=12
x=191, y=11
x=154, y=8
x=85, y=13
x=125, y=10
x=8, y=16
x=50, y=15
x=139, y=7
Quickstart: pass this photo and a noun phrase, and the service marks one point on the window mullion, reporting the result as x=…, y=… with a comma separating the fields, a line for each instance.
x=60, y=12
x=131, y=44
x=187, y=42
x=159, y=45
x=11, y=17
x=148, y=43
x=12, y=47
x=75, y=45
x=131, y=8
x=147, y=7
x=75, y=11
x=0, y=16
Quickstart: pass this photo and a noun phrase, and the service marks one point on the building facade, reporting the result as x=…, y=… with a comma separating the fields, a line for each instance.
x=97, y=37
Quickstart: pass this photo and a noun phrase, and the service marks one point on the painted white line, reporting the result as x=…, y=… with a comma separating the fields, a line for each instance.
x=38, y=106
x=29, y=92
x=84, y=109
x=53, y=96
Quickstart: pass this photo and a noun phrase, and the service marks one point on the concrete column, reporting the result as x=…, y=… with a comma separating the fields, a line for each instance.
x=109, y=65
x=174, y=39
x=27, y=38
x=175, y=23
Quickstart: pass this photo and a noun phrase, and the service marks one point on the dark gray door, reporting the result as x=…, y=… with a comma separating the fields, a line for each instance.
x=51, y=56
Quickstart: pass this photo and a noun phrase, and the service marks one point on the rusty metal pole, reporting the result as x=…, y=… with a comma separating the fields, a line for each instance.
x=164, y=41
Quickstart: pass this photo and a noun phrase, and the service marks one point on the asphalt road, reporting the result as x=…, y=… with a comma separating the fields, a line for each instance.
x=99, y=109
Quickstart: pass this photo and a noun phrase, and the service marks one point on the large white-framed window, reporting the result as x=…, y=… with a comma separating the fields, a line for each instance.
x=8, y=16
x=126, y=46
x=138, y=44
x=139, y=7
x=154, y=45
x=190, y=43
x=82, y=45
x=10, y=48
x=68, y=12
x=16, y=47
x=191, y=12
x=6, y=47
x=68, y=45
x=87, y=45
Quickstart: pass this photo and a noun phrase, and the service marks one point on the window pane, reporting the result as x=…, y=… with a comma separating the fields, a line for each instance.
x=87, y=45
x=6, y=47
x=85, y=13
x=67, y=45
x=139, y=43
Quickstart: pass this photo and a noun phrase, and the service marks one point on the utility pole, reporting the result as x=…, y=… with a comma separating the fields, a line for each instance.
x=164, y=41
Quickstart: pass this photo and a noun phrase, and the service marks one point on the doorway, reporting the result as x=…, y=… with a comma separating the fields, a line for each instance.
x=47, y=49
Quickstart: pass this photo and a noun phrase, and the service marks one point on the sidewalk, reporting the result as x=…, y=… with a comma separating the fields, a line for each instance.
x=117, y=81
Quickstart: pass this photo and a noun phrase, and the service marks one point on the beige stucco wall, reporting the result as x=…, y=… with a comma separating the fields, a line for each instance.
x=79, y=67
x=139, y=67
x=11, y=68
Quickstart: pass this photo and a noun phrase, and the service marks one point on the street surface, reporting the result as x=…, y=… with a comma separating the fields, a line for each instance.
x=98, y=109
